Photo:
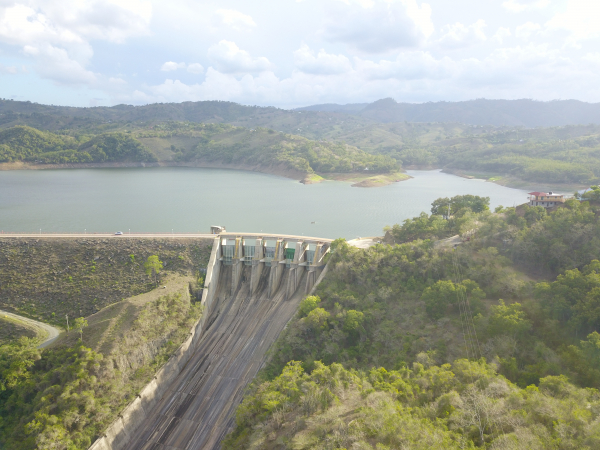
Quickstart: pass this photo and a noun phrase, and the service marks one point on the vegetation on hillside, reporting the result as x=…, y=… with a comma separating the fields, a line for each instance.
x=492, y=344
x=307, y=141
x=23, y=143
x=217, y=143
x=65, y=397
x=463, y=405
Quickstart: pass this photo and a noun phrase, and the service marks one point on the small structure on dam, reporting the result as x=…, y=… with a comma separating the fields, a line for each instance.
x=253, y=286
x=268, y=253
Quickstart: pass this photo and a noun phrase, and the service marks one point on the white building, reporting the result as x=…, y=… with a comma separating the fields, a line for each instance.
x=547, y=200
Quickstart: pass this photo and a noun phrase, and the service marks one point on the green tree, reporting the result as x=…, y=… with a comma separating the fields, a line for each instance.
x=308, y=304
x=508, y=319
x=15, y=361
x=593, y=193
x=317, y=318
x=353, y=320
x=475, y=203
x=153, y=266
x=440, y=296
x=79, y=325
x=534, y=214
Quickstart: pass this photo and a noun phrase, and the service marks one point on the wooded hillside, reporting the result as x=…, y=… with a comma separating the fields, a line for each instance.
x=492, y=344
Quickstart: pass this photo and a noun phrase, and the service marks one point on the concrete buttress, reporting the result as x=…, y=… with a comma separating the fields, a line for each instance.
x=212, y=273
x=313, y=267
x=237, y=264
x=277, y=266
x=296, y=269
x=257, y=265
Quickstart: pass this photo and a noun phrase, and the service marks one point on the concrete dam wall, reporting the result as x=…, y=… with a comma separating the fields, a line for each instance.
x=253, y=287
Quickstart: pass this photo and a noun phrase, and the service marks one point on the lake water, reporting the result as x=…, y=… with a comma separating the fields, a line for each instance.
x=190, y=200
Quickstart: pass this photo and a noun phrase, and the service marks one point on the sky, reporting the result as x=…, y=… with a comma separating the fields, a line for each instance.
x=291, y=53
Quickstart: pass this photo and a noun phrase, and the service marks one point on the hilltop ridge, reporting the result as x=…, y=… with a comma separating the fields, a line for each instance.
x=521, y=112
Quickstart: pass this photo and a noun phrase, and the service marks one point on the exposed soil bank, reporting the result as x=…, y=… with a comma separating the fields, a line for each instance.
x=370, y=180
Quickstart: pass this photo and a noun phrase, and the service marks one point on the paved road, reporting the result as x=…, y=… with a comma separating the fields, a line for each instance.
x=51, y=332
x=127, y=235
x=104, y=235
x=198, y=409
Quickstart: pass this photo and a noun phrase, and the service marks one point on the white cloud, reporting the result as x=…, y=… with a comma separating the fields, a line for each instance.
x=380, y=27
x=195, y=68
x=407, y=66
x=54, y=63
x=421, y=16
x=117, y=81
x=322, y=64
x=525, y=5
x=235, y=19
x=8, y=69
x=229, y=58
x=530, y=71
x=458, y=35
x=593, y=58
x=581, y=18
x=170, y=66
x=501, y=34
x=527, y=30
x=57, y=34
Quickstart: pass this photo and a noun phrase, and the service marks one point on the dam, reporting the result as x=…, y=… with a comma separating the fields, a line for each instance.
x=252, y=289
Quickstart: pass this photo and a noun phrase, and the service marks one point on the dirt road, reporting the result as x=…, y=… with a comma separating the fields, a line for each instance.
x=49, y=331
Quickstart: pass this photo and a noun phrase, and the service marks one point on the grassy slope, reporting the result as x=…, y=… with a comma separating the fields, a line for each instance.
x=46, y=279
x=11, y=330
x=108, y=326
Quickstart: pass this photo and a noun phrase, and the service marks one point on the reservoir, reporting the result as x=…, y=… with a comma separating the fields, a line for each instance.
x=190, y=200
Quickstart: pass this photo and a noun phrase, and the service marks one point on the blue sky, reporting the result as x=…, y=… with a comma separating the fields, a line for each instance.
x=290, y=53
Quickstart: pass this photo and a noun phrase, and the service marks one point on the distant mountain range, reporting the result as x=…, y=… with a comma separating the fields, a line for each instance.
x=526, y=113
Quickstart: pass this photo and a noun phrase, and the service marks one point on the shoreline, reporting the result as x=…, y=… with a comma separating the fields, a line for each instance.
x=515, y=183
x=357, y=179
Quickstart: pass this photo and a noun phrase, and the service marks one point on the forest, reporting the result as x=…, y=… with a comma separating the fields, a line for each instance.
x=186, y=143
x=23, y=143
x=493, y=343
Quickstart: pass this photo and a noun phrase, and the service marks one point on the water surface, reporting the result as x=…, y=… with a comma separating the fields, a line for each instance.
x=192, y=199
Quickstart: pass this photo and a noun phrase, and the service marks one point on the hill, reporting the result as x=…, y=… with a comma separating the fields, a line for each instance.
x=199, y=145
x=492, y=344
x=428, y=135
x=523, y=112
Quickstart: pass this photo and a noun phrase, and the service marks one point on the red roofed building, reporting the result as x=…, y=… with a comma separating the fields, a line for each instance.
x=547, y=200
